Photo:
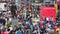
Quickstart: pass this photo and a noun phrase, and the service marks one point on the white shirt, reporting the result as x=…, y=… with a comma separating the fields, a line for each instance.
x=47, y=19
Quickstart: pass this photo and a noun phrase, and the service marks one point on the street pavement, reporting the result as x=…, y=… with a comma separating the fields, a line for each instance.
x=14, y=21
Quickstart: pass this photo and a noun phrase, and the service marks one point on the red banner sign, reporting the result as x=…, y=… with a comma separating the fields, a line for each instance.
x=48, y=12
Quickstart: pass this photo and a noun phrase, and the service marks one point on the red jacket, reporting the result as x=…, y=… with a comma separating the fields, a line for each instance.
x=5, y=32
x=41, y=25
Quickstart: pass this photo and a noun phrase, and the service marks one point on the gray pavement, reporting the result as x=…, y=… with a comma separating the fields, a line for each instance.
x=14, y=21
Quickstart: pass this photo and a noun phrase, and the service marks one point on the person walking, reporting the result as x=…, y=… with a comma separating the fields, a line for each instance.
x=19, y=32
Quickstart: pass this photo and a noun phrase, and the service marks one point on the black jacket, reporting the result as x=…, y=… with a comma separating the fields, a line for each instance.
x=12, y=32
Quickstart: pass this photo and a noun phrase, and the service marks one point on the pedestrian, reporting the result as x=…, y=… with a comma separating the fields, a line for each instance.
x=19, y=32
x=1, y=28
x=5, y=31
x=12, y=30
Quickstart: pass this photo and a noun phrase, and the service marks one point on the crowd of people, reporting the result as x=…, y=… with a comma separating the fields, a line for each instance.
x=31, y=25
x=29, y=22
